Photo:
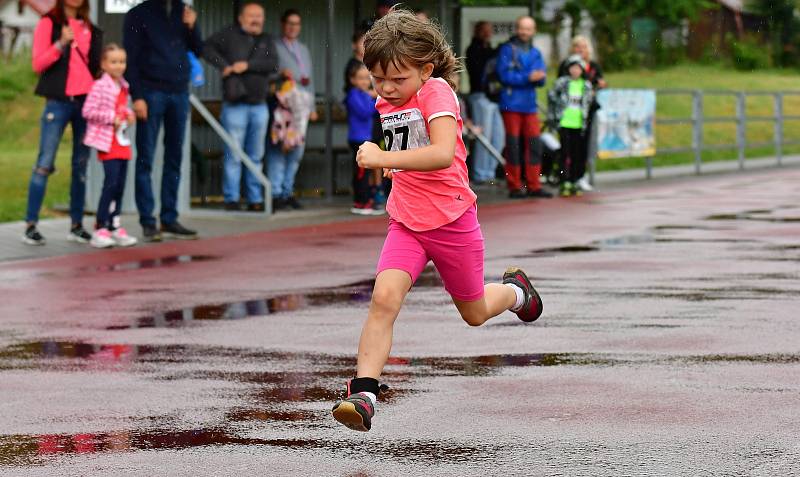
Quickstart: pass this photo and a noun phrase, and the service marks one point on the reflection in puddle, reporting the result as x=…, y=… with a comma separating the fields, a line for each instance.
x=149, y=263
x=358, y=292
x=35, y=449
x=278, y=394
x=757, y=215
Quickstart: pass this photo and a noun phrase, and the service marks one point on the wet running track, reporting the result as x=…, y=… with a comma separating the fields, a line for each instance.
x=670, y=345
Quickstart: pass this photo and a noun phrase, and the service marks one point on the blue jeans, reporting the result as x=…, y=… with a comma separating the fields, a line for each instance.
x=247, y=124
x=282, y=168
x=486, y=114
x=110, y=205
x=55, y=117
x=171, y=109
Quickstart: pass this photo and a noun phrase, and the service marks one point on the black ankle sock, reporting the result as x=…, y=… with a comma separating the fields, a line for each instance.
x=360, y=385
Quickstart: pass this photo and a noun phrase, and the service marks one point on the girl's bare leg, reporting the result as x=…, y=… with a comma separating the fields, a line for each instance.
x=391, y=287
x=497, y=298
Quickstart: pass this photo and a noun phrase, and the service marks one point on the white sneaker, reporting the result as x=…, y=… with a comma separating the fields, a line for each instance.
x=583, y=183
x=122, y=238
x=101, y=238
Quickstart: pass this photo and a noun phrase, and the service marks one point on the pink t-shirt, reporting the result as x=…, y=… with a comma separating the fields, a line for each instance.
x=45, y=53
x=426, y=200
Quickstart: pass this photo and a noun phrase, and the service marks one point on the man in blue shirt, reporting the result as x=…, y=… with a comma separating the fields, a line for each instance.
x=521, y=69
x=158, y=34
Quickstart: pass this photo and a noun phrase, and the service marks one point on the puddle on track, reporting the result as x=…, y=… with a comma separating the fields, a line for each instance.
x=354, y=293
x=275, y=396
x=149, y=263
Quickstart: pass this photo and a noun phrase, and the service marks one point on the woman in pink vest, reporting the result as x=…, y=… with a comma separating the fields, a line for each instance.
x=66, y=55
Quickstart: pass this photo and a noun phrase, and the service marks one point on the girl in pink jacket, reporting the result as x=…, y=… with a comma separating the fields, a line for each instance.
x=107, y=117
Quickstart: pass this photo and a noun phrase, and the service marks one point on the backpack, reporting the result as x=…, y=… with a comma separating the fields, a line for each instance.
x=491, y=85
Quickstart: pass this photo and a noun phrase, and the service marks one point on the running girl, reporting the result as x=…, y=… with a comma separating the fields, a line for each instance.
x=433, y=216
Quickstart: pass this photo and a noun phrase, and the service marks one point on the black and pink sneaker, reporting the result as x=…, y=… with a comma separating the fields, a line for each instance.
x=532, y=307
x=355, y=412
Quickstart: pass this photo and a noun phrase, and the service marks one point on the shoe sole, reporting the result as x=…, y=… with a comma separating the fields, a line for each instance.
x=515, y=271
x=28, y=241
x=346, y=413
x=152, y=239
x=178, y=236
x=73, y=238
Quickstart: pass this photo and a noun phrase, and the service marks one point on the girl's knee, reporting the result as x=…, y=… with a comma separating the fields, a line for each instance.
x=387, y=299
x=472, y=318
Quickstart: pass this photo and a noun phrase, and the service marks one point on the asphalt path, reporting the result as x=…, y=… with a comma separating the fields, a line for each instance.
x=669, y=345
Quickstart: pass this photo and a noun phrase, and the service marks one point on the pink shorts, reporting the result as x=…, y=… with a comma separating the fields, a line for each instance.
x=456, y=250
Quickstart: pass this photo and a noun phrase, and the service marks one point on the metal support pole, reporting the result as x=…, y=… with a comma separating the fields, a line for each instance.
x=648, y=167
x=592, y=156
x=443, y=12
x=741, y=128
x=779, y=128
x=329, y=158
x=697, y=129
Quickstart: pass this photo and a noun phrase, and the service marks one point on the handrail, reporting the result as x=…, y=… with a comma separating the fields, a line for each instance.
x=236, y=149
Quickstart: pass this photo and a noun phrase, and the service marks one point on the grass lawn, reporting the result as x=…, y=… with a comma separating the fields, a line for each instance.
x=20, y=111
x=19, y=138
x=691, y=76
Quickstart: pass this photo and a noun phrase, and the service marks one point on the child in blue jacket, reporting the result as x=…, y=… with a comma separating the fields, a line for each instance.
x=361, y=112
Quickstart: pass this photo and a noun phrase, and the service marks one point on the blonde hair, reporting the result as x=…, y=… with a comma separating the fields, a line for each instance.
x=580, y=38
x=109, y=48
x=400, y=38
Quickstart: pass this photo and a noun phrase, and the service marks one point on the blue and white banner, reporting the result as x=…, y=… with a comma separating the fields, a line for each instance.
x=626, y=123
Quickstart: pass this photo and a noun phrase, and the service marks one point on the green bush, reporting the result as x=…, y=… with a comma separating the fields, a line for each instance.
x=16, y=76
x=749, y=54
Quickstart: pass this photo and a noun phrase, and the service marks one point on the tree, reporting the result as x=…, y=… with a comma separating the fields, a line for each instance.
x=783, y=27
x=613, y=19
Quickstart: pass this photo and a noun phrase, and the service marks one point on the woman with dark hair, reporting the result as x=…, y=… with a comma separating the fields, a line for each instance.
x=66, y=55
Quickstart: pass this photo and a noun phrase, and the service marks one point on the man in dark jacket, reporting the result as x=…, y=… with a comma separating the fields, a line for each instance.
x=521, y=70
x=247, y=58
x=158, y=34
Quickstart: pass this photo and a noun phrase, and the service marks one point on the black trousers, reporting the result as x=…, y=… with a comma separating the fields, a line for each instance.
x=361, y=188
x=116, y=170
x=573, y=153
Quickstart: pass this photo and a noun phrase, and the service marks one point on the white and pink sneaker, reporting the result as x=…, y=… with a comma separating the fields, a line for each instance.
x=101, y=238
x=122, y=239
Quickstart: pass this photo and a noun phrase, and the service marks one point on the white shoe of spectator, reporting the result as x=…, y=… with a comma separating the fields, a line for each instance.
x=122, y=238
x=583, y=183
x=101, y=238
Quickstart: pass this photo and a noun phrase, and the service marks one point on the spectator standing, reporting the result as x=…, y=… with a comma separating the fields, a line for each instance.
x=486, y=113
x=294, y=61
x=361, y=114
x=582, y=47
x=108, y=117
x=521, y=69
x=158, y=35
x=569, y=102
x=247, y=58
x=66, y=56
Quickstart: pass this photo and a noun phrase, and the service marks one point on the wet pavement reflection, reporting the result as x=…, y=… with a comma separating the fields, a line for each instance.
x=356, y=293
x=279, y=394
x=651, y=334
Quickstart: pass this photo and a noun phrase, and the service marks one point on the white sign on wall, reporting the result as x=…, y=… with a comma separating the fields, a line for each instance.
x=120, y=6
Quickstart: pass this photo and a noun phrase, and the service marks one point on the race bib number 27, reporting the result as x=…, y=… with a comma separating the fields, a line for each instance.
x=404, y=130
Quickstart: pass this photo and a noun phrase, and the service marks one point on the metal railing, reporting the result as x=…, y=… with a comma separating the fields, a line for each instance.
x=236, y=149
x=698, y=120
